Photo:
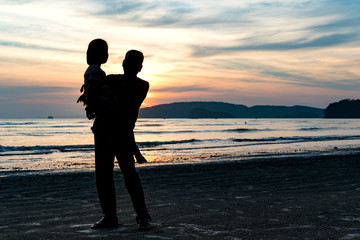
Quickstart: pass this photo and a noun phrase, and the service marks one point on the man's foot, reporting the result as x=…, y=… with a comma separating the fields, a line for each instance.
x=105, y=223
x=143, y=223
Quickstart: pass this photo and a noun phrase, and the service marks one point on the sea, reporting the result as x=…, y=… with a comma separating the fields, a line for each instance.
x=42, y=146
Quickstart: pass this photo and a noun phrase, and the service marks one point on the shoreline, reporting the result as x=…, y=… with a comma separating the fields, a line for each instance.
x=87, y=166
x=314, y=197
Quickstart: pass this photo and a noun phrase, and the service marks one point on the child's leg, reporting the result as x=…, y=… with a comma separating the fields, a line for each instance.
x=139, y=157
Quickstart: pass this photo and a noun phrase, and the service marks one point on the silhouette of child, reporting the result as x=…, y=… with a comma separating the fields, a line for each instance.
x=94, y=90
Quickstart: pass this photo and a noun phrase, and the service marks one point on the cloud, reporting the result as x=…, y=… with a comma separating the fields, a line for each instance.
x=191, y=88
x=295, y=79
x=15, y=2
x=192, y=42
x=350, y=22
x=39, y=101
x=138, y=8
x=25, y=92
x=228, y=14
x=145, y=13
x=339, y=84
x=325, y=41
x=33, y=46
x=112, y=8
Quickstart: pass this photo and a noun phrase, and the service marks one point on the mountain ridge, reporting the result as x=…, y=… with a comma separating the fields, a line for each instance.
x=202, y=109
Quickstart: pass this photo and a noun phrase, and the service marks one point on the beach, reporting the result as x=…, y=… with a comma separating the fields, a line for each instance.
x=315, y=197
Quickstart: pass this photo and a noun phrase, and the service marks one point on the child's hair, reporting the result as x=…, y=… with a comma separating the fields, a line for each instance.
x=133, y=61
x=97, y=52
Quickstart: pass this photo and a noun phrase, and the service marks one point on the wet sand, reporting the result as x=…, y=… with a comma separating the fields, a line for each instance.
x=293, y=198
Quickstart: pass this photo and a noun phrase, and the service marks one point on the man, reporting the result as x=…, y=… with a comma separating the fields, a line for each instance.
x=113, y=131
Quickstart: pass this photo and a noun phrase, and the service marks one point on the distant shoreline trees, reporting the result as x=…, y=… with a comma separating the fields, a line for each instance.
x=347, y=108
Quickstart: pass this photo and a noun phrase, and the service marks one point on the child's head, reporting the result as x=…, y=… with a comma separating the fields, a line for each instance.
x=132, y=63
x=97, y=52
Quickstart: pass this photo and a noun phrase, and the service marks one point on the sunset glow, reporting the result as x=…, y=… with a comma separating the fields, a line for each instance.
x=268, y=52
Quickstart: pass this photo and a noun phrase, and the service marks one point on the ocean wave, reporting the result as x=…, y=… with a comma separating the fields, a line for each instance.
x=299, y=139
x=47, y=134
x=158, y=143
x=151, y=125
x=164, y=132
x=48, y=149
x=68, y=126
x=243, y=130
x=310, y=129
x=317, y=128
x=29, y=150
x=16, y=124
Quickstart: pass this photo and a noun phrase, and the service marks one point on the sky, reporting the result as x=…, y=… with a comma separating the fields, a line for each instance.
x=251, y=52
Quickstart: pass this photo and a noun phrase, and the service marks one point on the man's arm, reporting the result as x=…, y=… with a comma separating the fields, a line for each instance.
x=142, y=93
x=144, y=90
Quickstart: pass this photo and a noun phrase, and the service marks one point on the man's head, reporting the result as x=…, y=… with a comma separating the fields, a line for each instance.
x=97, y=52
x=133, y=61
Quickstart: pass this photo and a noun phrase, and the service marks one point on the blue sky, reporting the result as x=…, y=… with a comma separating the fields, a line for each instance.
x=244, y=52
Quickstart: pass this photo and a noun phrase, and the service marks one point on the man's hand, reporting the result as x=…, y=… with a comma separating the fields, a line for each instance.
x=90, y=115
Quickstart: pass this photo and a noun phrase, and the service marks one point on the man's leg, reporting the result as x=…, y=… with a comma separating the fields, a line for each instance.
x=134, y=187
x=133, y=184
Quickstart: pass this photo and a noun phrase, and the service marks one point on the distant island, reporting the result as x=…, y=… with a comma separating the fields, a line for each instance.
x=227, y=110
x=347, y=108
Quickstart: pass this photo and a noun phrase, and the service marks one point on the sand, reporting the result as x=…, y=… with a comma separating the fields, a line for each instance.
x=298, y=198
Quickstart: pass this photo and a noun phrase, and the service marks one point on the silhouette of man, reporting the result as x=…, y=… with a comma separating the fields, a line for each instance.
x=114, y=137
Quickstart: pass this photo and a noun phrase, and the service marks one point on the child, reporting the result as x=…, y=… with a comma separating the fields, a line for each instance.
x=93, y=88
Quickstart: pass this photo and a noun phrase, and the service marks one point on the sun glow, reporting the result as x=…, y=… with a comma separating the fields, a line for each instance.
x=245, y=52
